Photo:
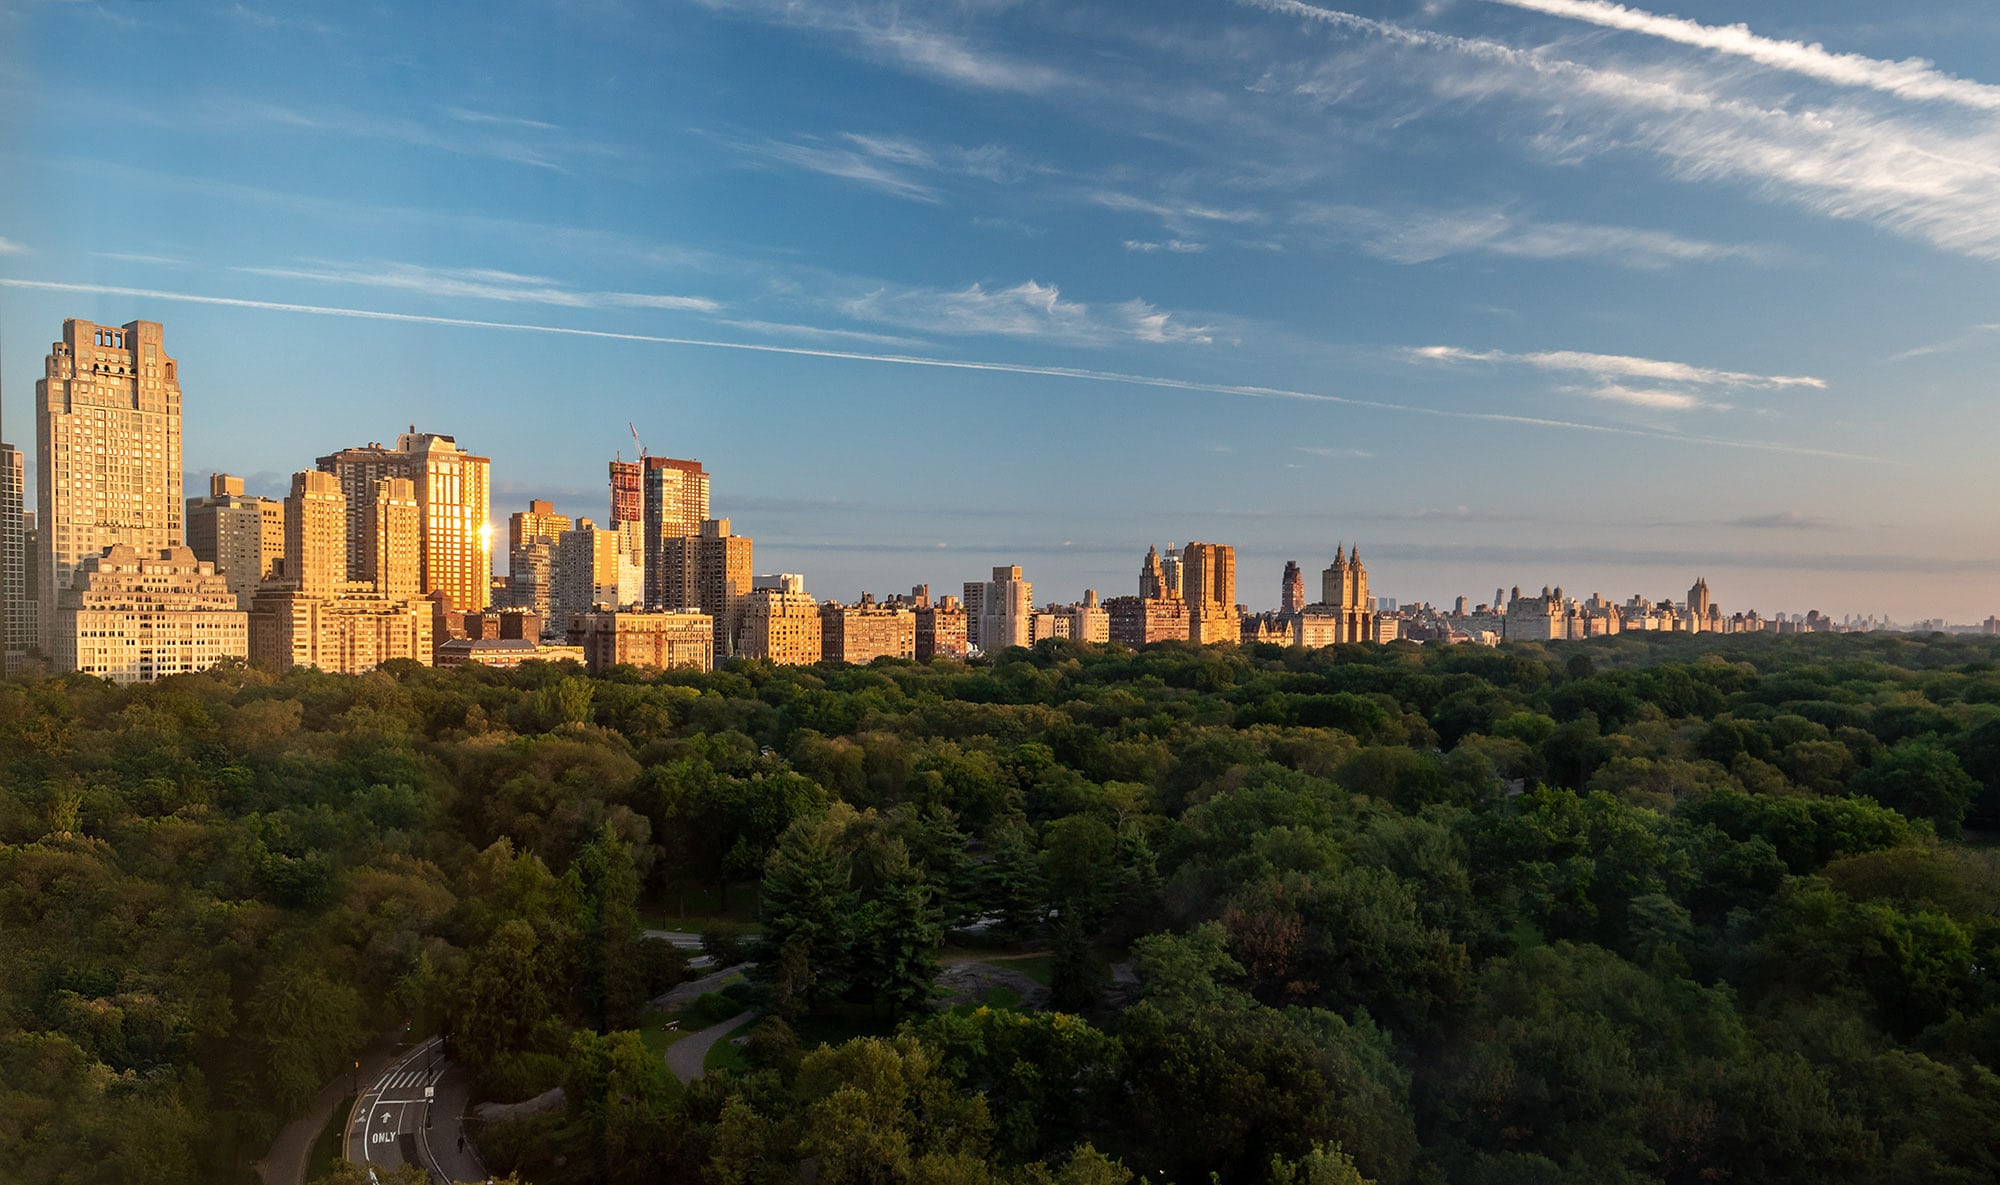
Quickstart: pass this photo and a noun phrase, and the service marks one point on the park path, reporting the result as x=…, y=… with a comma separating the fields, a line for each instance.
x=689, y=1055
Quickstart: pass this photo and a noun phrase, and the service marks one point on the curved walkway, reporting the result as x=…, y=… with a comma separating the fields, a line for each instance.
x=688, y=1056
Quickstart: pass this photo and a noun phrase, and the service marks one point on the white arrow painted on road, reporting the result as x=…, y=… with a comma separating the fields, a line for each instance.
x=384, y=1119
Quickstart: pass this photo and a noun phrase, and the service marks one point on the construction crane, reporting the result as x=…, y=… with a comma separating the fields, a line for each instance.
x=640, y=444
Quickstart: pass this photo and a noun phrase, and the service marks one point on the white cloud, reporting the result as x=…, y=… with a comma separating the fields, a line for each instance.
x=1616, y=366
x=1176, y=246
x=1175, y=215
x=1911, y=78
x=895, y=34
x=1652, y=398
x=9, y=247
x=1029, y=309
x=481, y=284
x=1420, y=236
x=895, y=165
x=1928, y=178
x=1355, y=453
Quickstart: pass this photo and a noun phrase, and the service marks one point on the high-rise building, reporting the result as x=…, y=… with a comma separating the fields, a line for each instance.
x=584, y=573
x=243, y=536
x=453, y=489
x=709, y=572
x=1292, y=589
x=392, y=541
x=316, y=535
x=628, y=494
x=1208, y=585
x=1343, y=612
x=108, y=453
x=1007, y=604
x=17, y=623
x=133, y=618
x=974, y=602
x=531, y=543
x=675, y=506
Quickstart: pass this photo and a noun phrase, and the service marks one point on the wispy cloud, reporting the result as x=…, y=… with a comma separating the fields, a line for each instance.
x=1616, y=366
x=10, y=247
x=1421, y=236
x=897, y=35
x=149, y=260
x=1928, y=178
x=1784, y=520
x=481, y=284
x=1029, y=309
x=1176, y=246
x=894, y=165
x=1335, y=453
x=1242, y=390
x=1657, y=400
x=460, y=131
x=1174, y=214
x=819, y=333
x=1971, y=337
x=1911, y=78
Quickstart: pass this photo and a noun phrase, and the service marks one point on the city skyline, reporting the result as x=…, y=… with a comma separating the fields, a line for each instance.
x=1040, y=288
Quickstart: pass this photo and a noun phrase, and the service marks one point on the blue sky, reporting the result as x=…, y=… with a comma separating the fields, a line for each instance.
x=1507, y=291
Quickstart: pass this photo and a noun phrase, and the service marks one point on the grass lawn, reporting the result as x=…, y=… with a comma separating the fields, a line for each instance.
x=326, y=1149
x=654, y=1032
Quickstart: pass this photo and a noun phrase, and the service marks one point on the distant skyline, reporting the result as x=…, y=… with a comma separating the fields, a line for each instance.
x=1506, y=291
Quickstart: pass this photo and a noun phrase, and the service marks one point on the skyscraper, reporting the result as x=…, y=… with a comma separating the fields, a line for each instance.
x=455, y=542
x=1007, y=605
x=676, y=504
x=628, y=496
x=1292, y=589
x=316, y=535
x=532, y=535
x=17, y=624
x=392, y=540
x=1208, y=585
x=108, y=453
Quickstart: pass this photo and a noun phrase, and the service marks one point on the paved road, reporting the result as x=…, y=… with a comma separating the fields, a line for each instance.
x=687, y=1056
x=386, y=1128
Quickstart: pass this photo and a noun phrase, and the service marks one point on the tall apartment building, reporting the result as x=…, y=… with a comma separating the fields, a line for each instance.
x=861, y=633
x=531, y=541
x=973, y=599
x=17, y=616
x=1292, y=589
x=628, y=492
x=1006, y=605
x=316, y=535
x=1343, y=612
x=315, y=616
x=780, y=622
x=584, y=573
x=108, y=453
x=675, y=506
x=243, y=536
x=133, y=618
x=1089, y=621
x=709, y=572
x=453, y=490
x=1208, y=585
x=392, y=540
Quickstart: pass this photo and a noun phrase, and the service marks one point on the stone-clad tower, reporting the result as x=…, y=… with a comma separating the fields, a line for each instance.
x=108, y=454
x=1292, y=590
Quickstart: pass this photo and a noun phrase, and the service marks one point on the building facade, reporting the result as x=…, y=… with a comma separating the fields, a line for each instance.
x=780, y=623
x=941, y=629
x=133, y=618
x=18, y=628
x=861, y=633
x=1208, y=585
x=1006, y=610
x=628, y=493
x=674, y=507
x=244, y=537
x=651, y=641
x=108, y=455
